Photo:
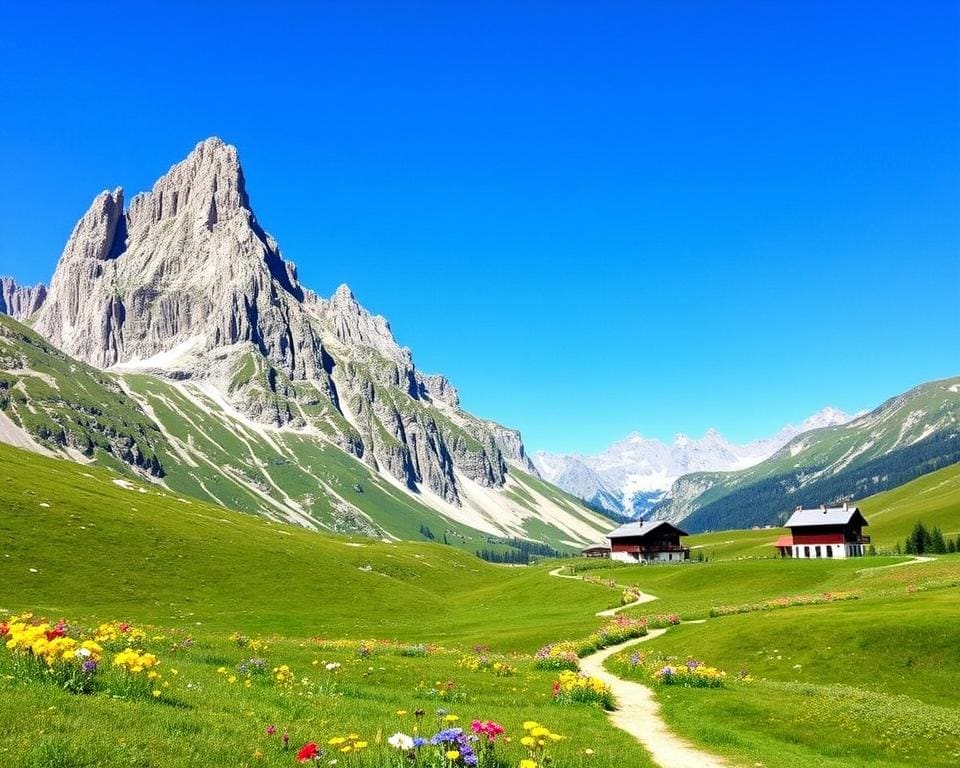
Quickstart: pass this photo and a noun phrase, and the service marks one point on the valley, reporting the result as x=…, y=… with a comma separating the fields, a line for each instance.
x=375, y=631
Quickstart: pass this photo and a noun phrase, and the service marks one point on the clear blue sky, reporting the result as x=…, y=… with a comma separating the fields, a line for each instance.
x=594, y=217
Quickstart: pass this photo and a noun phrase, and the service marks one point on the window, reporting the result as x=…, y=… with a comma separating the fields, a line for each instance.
x=806, y=551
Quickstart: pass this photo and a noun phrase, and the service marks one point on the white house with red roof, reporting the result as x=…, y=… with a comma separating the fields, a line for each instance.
x=830, y=532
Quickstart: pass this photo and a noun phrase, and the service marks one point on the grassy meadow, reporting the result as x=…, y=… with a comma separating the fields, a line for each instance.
x=260, y=626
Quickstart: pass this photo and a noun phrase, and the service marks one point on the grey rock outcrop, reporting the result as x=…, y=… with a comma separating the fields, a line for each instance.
x=187, y=283
x=20, y=301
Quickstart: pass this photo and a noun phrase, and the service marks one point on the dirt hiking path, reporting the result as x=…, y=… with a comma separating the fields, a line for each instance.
x=638, y=714
x=644, y=598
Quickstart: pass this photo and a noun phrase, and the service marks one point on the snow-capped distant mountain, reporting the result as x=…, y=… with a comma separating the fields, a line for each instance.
x=635, y=473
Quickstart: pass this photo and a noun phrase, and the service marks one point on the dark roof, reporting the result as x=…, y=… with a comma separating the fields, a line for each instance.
x=804, y=518
x=642, y=529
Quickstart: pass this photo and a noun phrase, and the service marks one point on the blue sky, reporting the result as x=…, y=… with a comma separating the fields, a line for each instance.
x=593, y=217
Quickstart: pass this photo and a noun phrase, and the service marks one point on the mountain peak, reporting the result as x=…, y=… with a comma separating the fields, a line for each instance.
x=20, y=301
x=208, y=185
x=825, y=417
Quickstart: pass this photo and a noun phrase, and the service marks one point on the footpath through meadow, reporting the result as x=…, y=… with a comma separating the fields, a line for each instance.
x=638, y=712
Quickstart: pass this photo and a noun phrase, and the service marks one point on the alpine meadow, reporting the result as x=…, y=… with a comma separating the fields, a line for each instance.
x=668, y=477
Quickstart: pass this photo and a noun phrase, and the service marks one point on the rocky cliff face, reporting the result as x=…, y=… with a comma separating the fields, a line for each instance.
x=20, y=301
x=185, y=282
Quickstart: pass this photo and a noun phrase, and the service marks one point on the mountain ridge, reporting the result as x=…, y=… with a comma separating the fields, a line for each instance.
x=633, y=474
x=184, y=285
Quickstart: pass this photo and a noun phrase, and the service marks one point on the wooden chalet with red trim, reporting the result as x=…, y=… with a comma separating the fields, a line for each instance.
x=833, y=532
x=656, y=541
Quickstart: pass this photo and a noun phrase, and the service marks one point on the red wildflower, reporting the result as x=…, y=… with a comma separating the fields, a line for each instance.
x=123, y=627
x=58, y=631
x=4, y=628
x=489, y=729
x=307, y=752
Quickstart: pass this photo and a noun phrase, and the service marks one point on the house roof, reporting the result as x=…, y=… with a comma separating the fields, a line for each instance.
x=642, y=529
x=803, y=518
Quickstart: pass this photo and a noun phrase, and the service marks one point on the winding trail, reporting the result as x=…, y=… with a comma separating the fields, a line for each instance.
x=638, y=714
x=916, y=559
x=644, y=597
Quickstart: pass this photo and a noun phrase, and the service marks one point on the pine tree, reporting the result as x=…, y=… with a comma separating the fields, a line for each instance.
x=937, y=545
x=919, y=540
x=951, y=546
x=897, y=550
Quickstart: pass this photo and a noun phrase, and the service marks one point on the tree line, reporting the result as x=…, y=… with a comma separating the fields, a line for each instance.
x=928, y=541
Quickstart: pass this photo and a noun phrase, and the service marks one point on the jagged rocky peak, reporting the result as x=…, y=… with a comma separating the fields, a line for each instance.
x=187, y=283
x=439, y=389
x=208, y=185
x=95, y=235
x=20, y=301
x=353, y=326
x=187, y=264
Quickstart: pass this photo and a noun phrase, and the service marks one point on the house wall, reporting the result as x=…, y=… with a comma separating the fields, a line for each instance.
x=647, y=557
x=835, y=551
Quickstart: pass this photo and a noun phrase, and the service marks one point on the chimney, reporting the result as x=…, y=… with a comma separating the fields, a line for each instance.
x=823, y=508
x=799, y=508
x=845, y=506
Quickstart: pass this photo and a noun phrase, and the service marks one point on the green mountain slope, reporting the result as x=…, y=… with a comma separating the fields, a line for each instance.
x=137, y=550
x=907, y=436
x=187, y=438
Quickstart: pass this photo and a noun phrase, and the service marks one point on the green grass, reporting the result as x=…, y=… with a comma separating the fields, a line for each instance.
x=857, y=683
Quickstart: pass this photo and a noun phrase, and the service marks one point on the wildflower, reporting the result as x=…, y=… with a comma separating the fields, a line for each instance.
x=271, y=729
x=528, y=763
x=401, y=741
x=307, y=752
x=452, y=754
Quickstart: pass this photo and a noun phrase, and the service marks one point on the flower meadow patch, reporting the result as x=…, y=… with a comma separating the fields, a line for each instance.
x=783, y=602
x=616, y=630
x=73, y=659
x=670, y=671
x=346, y=684
x=575, y=688
x=558, y=656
